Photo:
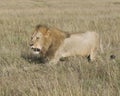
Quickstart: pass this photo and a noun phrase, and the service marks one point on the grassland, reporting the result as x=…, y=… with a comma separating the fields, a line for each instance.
x=23, y=75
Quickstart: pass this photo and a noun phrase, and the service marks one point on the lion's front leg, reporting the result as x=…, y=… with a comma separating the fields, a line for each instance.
x=56, y=57
x=53, y=61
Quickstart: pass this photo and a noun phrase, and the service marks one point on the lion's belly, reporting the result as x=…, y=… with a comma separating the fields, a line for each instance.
x=75, y=51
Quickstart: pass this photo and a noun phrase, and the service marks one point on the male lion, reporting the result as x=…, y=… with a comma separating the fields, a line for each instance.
x=55, y=44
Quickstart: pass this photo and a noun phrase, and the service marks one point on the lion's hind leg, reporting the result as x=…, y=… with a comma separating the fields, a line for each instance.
x=92, y=55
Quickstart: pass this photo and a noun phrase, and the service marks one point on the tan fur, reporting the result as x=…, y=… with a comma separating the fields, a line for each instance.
x=83, y=44
x=50, y=40
x=57, y=44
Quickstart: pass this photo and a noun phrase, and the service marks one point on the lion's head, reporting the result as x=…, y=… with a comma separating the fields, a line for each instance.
x=40, y=40
x=46, y=40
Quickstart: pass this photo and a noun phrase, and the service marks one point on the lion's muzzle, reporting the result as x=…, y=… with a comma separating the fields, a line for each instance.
x=36, y=49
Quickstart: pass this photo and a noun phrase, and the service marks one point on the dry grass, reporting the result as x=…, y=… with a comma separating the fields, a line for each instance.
x=23, y=75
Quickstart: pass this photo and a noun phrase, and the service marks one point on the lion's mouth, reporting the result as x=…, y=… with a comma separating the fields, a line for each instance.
x=36, y=50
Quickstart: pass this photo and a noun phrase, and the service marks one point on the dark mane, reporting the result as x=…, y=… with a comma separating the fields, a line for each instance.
x=67, y=35
x=39, y=26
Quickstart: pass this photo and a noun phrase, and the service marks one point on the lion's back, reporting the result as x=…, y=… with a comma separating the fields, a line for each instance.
x=81, y=43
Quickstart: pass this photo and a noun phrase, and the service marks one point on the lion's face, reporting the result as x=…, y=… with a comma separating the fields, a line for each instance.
x=40, y=40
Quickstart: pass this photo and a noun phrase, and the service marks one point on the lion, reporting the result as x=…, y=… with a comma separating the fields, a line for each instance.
x=53, y=44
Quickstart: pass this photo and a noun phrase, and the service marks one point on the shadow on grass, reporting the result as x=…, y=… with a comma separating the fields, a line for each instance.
x=32, y=59
x=116, y=3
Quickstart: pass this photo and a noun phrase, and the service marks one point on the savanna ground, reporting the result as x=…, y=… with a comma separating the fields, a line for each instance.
x=23, y=75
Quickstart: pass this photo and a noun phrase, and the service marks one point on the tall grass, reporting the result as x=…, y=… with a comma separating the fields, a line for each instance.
x=22, y=74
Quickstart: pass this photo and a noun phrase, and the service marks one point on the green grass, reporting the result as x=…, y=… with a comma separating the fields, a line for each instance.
x=21, y=74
